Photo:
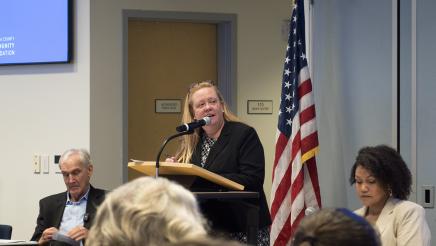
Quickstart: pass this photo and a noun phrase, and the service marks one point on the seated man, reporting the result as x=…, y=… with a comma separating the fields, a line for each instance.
x=69, y=213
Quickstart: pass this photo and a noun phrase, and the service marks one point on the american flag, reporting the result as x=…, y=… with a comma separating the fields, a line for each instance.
x=295, y=179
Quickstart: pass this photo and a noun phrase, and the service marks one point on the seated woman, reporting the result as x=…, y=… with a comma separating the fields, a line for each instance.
x=147, y=211
x=335, y=227
x=383, y=182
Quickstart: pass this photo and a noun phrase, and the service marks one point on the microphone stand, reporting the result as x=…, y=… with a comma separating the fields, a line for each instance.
x=165, y=143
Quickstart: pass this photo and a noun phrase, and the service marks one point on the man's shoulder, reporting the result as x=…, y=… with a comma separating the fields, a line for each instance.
x=57, y=196
x=97, y=190
x=96, y=197
x=96, y=193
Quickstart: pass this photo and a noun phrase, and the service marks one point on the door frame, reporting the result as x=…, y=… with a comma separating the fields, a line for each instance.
x=226, y=55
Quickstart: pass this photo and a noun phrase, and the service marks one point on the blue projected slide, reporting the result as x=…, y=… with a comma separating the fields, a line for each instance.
x=34, y=31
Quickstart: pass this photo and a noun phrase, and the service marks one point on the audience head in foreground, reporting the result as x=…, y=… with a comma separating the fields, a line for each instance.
x=383, y=183
x=147, y=211
x=335, y=227
x=206, y=241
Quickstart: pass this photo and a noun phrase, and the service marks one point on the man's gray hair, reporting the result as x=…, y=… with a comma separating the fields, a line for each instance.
x=84, y=156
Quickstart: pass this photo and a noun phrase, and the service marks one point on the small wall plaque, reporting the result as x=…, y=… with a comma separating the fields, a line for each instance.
x=168, y=106
x=259, y=107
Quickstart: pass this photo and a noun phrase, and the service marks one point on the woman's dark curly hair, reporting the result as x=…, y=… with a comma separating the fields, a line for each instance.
x=387, y=166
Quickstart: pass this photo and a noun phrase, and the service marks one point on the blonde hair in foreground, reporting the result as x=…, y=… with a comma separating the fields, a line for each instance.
x=189, y=142
x=147, y=211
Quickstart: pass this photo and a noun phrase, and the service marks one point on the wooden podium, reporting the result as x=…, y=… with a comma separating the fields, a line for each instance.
x=186, y=174
x=183, y=173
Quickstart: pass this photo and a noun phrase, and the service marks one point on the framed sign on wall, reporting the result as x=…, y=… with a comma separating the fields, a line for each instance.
x=168, y=106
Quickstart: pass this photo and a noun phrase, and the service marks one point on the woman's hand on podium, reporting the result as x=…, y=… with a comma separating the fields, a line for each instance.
x=170, y=159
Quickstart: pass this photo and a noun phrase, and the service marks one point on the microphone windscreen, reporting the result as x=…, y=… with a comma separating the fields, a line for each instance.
x=207, y=120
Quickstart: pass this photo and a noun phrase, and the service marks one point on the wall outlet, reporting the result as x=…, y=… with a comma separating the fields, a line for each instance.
x=36, y=161
x=44, y=163
x=56, y=159
x=427, y=196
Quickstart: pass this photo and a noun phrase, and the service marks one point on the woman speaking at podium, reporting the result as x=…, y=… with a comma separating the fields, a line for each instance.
x=229, y=148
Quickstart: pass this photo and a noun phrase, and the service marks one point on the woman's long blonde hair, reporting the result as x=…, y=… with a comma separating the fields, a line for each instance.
x=188, y=142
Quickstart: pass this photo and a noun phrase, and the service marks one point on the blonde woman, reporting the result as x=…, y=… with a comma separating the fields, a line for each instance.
x=229, y=148
x=147, y=211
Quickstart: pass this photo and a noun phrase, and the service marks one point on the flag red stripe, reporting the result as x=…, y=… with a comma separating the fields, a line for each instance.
x=296, y=144
x=313, y=173
x=282, y=140
x=307, y=114
x=297, y=185
x=281, y=192
x=288, y=230
x=304, y=88
x=285, y=182
x=309, y=142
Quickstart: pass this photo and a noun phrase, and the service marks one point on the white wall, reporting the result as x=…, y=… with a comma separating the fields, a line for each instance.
x=44, y=109
x=425, y=106
x=353, y=86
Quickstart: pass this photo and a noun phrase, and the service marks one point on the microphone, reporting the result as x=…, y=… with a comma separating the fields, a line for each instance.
x=193, y=125
x=310, y=210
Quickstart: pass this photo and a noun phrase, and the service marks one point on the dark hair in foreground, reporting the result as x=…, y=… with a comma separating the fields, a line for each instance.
x=387, y=166
x=335, y=227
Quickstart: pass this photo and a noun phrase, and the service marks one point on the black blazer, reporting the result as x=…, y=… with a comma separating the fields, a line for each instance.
x=51, y=210
x=237, y=155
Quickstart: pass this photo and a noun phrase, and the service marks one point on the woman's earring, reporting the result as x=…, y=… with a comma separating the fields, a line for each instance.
x=389, y=191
